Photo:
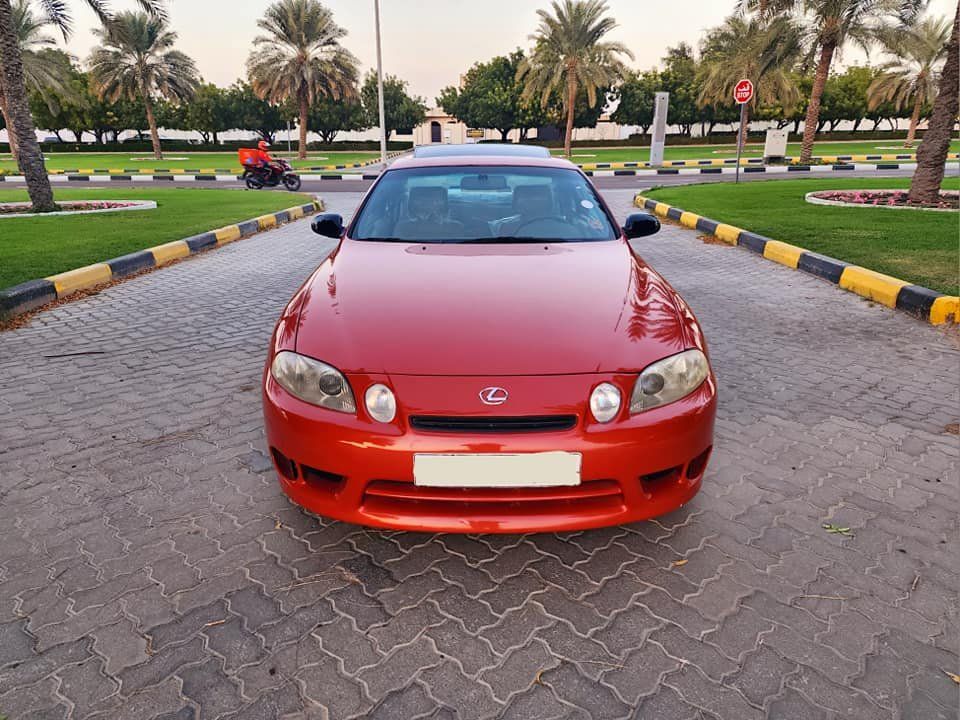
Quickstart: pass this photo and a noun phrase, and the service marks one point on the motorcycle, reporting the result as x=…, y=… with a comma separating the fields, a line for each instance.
x=257, y=176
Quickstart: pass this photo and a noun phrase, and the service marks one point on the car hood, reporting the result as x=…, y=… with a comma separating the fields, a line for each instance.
x=520, y=309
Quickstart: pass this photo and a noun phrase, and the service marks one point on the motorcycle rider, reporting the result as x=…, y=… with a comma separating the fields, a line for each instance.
x=266, y=161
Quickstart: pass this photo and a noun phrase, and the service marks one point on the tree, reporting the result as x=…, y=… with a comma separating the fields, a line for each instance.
x=300, y=58
x=328, y=117
x=401, y=111
x=831, y=24
x=932, y=153
x=570, y=53
x=209, y=112
x=253, y=113
x=761, y=49
x=845, y=97
x=491, y=97
x=68, y=108
x=137, y=60
x=680, y=78
x=910, y=76
x=636, y=95
x=44, y=69
x=13, y=87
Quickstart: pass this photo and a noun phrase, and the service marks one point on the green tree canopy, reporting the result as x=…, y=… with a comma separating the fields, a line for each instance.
x=210, y=112
x=328, y=117
x=401, y=110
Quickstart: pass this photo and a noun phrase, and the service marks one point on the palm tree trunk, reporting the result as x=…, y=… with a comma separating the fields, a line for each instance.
x=152, y=122
x=571, y=101
x=813, y=108
x=11, y=138
x=744, y=125
x=914, y=120
x=304, y=109
x=932, y=153
x=29, y=157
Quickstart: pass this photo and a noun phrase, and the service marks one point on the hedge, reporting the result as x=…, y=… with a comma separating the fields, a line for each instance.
x=182, y=146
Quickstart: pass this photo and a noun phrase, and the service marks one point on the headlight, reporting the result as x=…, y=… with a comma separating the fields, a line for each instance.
x=313, y=382
x=381, y=403
x=668, y=380
x=605, y=402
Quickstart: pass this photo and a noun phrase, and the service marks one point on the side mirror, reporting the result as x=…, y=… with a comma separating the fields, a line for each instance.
x=640, y=225
x=328, y=224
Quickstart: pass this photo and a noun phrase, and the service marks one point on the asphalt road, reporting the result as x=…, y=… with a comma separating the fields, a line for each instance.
x=150, y=567
x=622, y=182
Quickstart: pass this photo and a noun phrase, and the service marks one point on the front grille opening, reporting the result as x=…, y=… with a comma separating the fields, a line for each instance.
x=285, y=466
x=652, y=482
x=321, y=478
x=698, y=464
x=493, y=424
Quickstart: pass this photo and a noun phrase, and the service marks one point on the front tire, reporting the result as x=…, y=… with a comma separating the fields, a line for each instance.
x=291, y=182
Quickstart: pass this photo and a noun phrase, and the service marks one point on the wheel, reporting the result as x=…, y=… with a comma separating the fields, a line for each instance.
x=253, y=182
x=291, y=182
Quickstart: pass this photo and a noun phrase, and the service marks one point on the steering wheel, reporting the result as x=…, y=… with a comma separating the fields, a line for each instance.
x=546, y=220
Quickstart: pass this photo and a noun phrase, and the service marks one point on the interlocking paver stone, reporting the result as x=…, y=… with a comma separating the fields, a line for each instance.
x=150, y=567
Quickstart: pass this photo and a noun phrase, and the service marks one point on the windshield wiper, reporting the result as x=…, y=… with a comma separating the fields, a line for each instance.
x=505, y=239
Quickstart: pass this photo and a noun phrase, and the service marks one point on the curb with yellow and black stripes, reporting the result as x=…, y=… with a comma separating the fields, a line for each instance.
x=32, y=294
x=922, y=302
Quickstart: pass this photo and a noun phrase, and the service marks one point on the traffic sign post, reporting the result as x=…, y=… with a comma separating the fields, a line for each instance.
x=742, y=95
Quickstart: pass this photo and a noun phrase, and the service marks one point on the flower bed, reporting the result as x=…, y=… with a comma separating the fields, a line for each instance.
x=76, y=207
x=894, y=199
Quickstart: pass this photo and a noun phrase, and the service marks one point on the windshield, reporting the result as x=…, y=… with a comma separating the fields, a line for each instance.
x=487, y=204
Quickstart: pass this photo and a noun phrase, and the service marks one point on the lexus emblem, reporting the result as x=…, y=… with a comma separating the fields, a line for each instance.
x=494, y=395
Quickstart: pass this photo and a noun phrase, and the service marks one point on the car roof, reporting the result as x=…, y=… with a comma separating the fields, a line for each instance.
x=481, y=150
x=492, y=154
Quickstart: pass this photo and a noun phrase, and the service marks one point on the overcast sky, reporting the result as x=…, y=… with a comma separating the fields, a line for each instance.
x=427, y=42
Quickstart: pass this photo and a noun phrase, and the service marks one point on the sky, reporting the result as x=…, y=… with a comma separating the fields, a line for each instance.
x=429, y=43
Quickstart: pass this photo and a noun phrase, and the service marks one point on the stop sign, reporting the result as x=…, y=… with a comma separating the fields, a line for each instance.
x=743, y=92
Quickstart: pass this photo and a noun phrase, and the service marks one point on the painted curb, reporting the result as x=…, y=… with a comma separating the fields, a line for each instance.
x=81, y=173
x=32, y=294
x=177, y=178
x=811, y=197
x=138, y=205
x=892, y=292
x=747, y=162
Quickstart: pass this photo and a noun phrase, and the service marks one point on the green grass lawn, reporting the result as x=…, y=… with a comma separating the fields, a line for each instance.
x=916, y=246
x=193, y=161
x=33, y=248
x=718, y=152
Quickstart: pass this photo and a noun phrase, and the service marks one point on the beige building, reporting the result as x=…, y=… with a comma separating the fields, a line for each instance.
x=439, y=128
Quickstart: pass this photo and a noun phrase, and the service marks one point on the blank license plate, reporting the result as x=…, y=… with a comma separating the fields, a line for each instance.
x=497, y=470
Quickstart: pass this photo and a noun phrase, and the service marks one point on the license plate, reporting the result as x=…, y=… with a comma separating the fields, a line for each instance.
x=497, y=470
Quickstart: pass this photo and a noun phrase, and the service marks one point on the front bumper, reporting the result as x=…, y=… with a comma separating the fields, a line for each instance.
x=350, y=468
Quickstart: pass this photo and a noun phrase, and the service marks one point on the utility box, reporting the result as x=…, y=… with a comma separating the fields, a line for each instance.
x=775, y=146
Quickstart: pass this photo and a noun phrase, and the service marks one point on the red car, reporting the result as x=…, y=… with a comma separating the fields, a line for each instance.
x=484, y=352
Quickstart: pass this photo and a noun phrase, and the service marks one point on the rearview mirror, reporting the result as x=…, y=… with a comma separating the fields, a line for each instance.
x=328, y=224
x=640, y=225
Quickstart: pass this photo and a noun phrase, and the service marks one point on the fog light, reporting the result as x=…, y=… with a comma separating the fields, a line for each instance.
x=605, y=402
x=381, y=403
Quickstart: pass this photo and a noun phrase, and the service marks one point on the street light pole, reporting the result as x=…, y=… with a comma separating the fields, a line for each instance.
x=383, y=129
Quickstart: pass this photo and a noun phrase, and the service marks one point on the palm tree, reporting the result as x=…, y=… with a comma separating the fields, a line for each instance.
x=829, y=25
x=910, y=77
x=13, y=83
x=137, y=61
x=300, y=58
x=932, y=153
x=764, y=50
x=42, y=72
x=570, y=53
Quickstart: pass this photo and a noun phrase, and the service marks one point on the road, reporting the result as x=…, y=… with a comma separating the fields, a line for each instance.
x=151, y=568
x=315, y=184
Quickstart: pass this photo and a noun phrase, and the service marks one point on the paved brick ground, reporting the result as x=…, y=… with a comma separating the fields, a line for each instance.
x=150, y=568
